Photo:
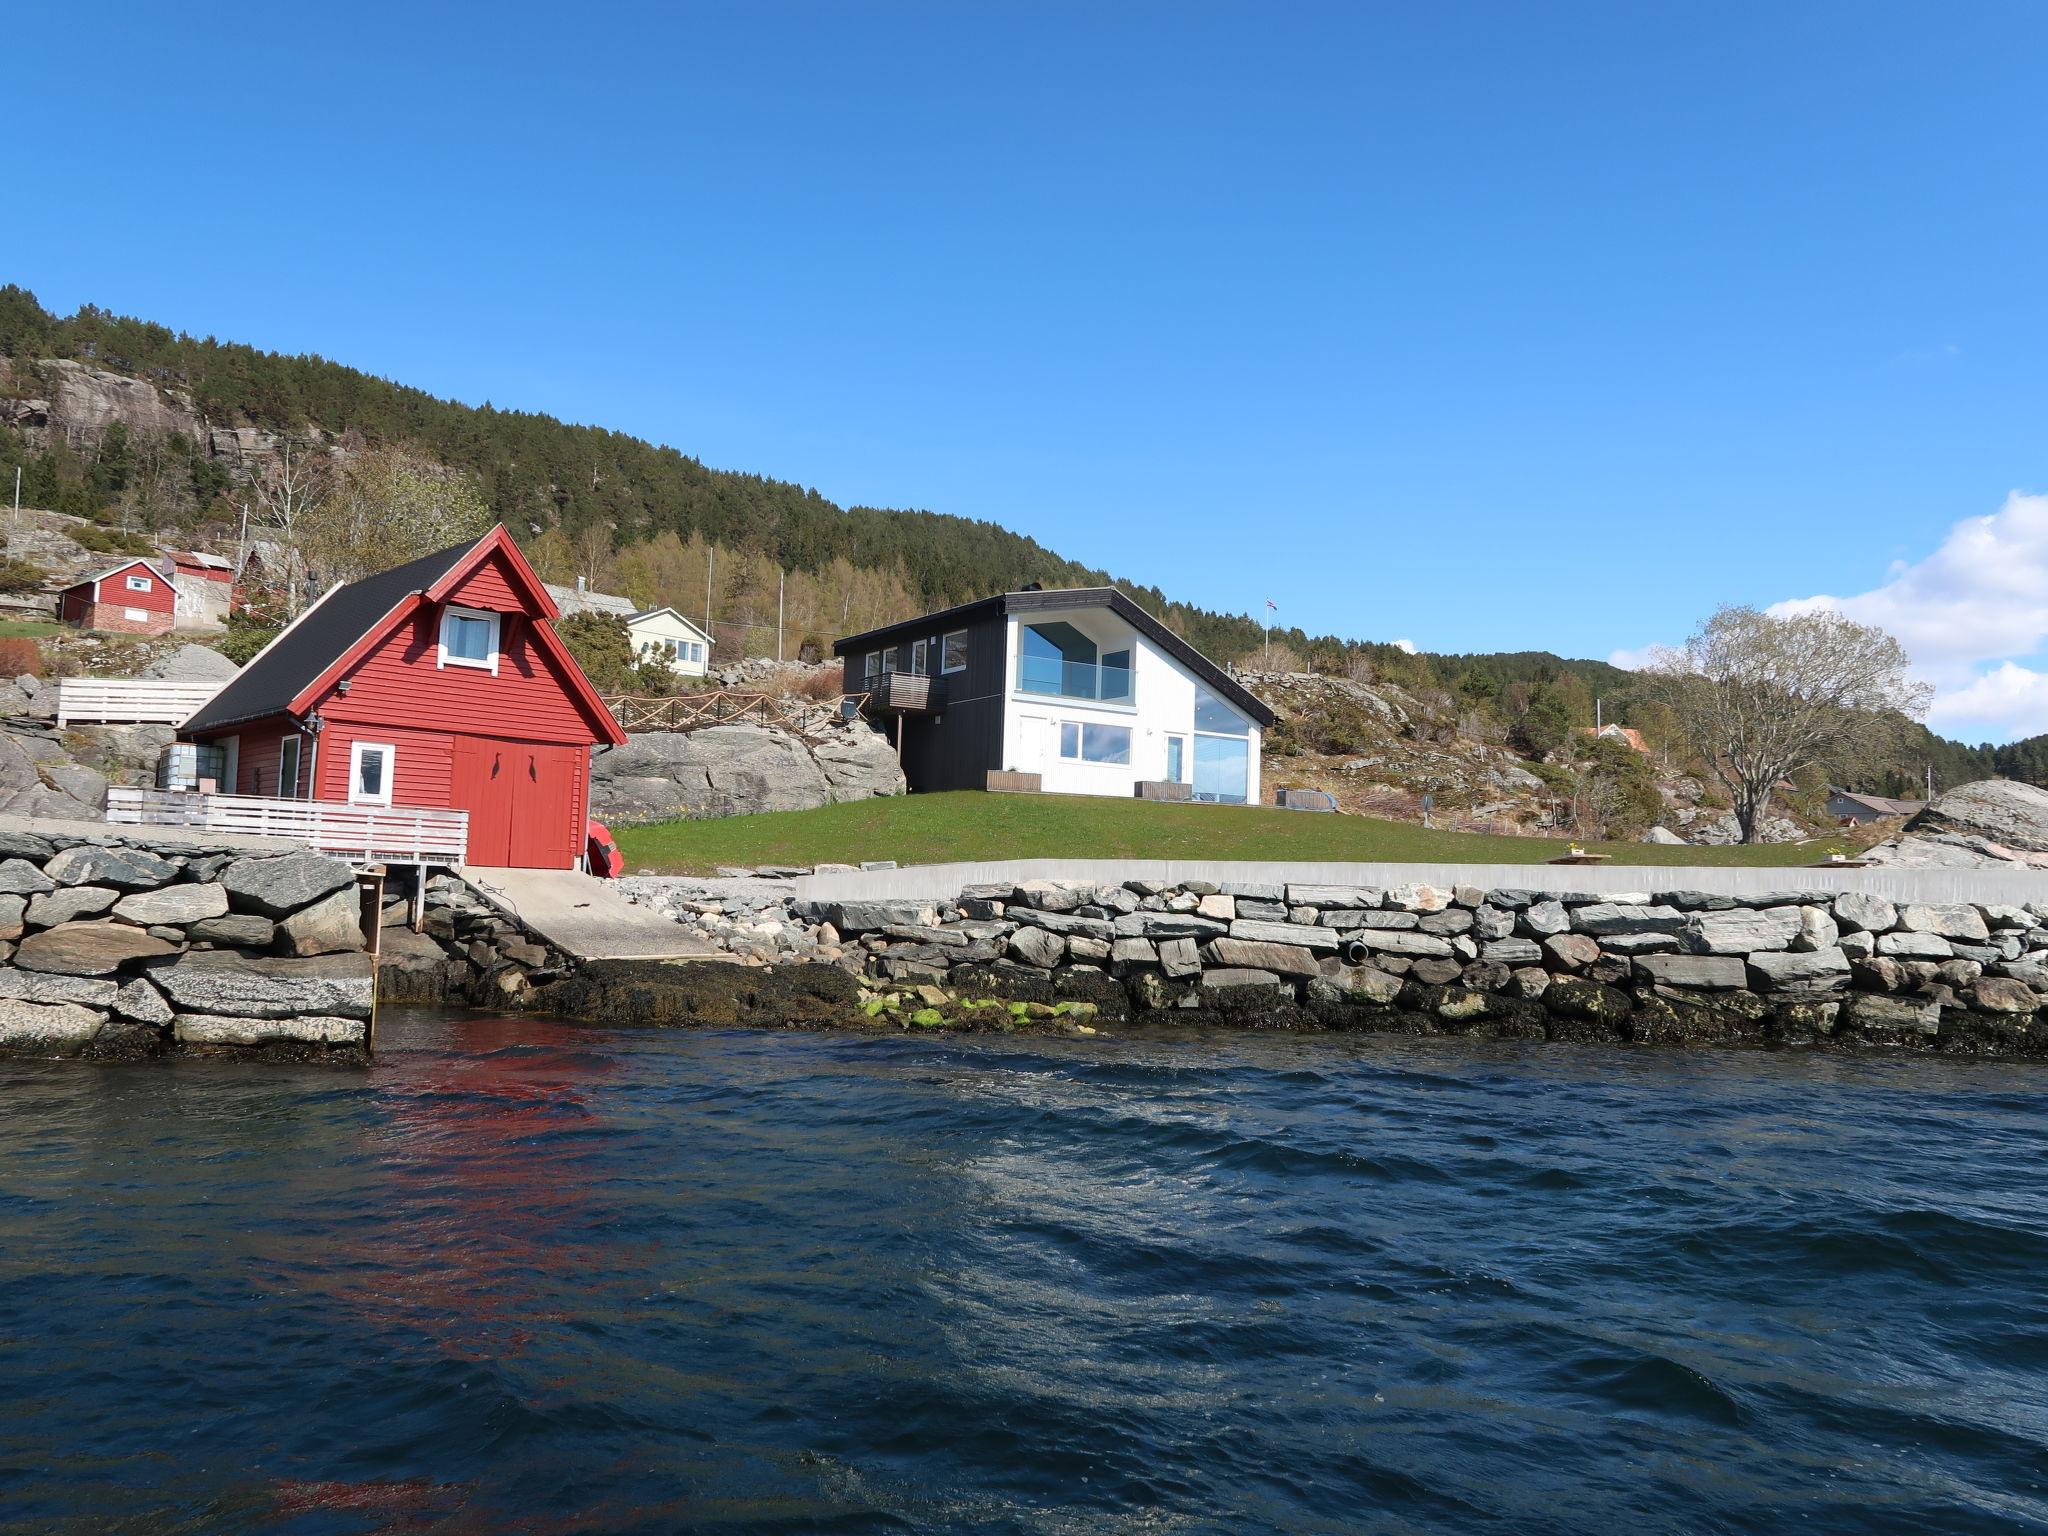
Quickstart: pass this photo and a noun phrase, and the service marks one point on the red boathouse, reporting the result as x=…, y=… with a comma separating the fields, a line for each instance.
x=134, y=597
x=440, y=683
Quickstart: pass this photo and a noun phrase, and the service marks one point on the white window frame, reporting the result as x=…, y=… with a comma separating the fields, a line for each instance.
x=874, y=665
x=141, y=584
x=455, y=611
x=920, y=658
x=356, y=749
x=288, y=787
x=1080, y=755
x=946, y=668
x=135, y=615
x=1186, y=753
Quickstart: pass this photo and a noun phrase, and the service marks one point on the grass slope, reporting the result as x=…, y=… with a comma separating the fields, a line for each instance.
x=934, y=829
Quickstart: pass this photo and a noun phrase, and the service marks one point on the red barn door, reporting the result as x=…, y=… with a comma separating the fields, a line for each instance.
x=482, y=785
x=524, y=800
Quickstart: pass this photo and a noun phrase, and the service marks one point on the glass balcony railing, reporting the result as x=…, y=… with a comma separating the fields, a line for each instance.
x=1058, y=679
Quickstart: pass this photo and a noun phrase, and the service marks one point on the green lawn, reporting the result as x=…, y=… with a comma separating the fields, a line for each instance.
x=37, y=627
x=934, y=829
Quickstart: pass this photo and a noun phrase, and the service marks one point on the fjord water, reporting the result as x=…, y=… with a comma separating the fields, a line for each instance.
x=536, y=1277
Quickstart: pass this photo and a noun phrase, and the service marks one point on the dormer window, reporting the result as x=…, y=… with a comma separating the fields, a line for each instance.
x=469, y=638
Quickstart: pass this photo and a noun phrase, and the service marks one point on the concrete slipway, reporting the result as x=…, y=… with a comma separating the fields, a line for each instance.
x=586, y=917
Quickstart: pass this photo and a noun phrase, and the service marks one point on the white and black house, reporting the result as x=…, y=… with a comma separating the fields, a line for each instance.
x=1080, y=690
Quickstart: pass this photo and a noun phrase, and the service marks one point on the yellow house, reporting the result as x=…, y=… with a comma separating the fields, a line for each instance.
x=665, y=634
x=655, y=632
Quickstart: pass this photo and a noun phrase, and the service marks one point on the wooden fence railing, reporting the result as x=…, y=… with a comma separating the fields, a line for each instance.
x=130, y=700
x=798, y=715
x=370, y=834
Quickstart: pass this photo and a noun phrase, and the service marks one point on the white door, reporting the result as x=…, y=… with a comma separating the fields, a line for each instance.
x=1027, y=755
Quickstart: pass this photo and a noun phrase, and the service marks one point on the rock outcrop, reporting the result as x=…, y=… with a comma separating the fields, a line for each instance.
x=737, y=770
x=1990, y=823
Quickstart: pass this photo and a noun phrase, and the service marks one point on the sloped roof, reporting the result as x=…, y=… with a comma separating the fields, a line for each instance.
x=155, y=568
x=583, y=600
x=309, y=645
x=1040, y=601
x=681, y=618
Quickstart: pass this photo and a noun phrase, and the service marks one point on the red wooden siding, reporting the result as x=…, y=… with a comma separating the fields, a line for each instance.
x=401, y=679
x=420, y=776
x=488, y=586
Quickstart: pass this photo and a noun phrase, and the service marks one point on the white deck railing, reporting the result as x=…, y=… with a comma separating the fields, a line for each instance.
x=371, y=834
x=125, y=700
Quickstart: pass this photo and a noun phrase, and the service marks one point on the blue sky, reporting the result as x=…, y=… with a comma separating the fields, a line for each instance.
x=1482, y=326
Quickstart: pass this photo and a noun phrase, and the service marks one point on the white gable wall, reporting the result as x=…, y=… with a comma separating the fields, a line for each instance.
x=1163, y=705
x=652, y=631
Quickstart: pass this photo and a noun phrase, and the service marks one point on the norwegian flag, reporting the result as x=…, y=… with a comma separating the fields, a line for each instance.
x=1272, y=605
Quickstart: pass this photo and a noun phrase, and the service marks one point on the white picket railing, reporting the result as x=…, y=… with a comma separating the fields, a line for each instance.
x=126, y=700
x=370, y=834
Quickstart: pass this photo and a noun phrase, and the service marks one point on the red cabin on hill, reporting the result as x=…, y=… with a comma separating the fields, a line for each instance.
x=439, y=684
x=134, y=597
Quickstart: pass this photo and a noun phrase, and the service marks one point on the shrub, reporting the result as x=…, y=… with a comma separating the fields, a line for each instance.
x=243, y=640
x=603, y=650
x=18, y=655
x=109, y=541
x=21, y=575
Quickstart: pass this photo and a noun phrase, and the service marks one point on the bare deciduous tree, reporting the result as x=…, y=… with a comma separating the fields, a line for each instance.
x=291, y=490
x=1762, y=695
x=387, y=506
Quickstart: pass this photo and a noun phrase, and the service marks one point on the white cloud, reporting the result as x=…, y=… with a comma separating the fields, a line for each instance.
x=1403, y=645
x=1981, y=597
x=2008, y=702
x=1633, y=660
x=1969, y=615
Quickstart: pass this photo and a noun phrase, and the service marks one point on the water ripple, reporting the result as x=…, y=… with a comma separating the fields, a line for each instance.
x=530, y=1277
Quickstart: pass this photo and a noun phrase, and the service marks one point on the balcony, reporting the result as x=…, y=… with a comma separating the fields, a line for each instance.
x=1050, y=677
x=902, y=693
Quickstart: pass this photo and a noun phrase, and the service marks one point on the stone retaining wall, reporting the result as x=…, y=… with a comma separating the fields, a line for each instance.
x=1681, y=966
x=116, y=947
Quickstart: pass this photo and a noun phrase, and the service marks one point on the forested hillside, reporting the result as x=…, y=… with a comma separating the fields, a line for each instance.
x=664, y=527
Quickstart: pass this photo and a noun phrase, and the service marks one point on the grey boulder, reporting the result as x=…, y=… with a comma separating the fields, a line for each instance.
x=214, y=981
x=277, y=885
x=172, y=905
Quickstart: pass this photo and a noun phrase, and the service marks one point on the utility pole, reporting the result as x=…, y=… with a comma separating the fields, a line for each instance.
x=710, y=565
x=1930, y=781
x=779, y=575
x=1597, y=721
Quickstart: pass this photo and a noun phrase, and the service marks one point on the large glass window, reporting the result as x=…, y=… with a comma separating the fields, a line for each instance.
x=953, y=652
x=1216, y=717
x=1222, y=769
x=1088, y=743
x=1057, y=659
x=1116, y=676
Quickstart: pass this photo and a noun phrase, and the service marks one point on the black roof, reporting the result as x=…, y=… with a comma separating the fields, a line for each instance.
x=322, y=633
x=1040, y=601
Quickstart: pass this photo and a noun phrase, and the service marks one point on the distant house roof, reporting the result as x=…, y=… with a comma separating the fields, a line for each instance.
x=583, y=600
x=154, y=567
x=1041, y=601
x=683, y=619
x=286, y=676
x=1880, y=805
x=213, y=567
x=1618, y=733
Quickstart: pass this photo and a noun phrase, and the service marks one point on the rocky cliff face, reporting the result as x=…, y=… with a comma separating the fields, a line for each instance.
x=81, y=402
